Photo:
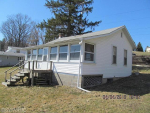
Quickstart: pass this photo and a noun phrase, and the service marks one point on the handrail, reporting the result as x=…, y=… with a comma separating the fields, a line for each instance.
x=13, y=66
x=16, y=69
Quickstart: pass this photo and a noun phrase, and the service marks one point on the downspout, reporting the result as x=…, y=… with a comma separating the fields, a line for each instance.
x=79, y=71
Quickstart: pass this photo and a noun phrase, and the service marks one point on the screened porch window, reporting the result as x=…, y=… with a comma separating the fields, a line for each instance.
x=45, y=54
x=53, y=53
x=28, y=54
x=125, y=57
x=74, y=52
x=114, y=55
x=34, y=53
x=63, y=52
x=89, y=52
x=40, y=52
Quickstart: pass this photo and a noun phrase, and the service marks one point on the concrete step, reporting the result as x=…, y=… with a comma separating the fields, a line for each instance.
x=6, y=83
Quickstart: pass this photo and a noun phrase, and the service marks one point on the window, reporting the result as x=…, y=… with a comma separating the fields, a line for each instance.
x=89, y=52
x=18, y=51
x=74, y=52
x=40, y=52
x=34, y=52
x=114, y=55
x=28, y=54
x=53, y=53
x=125, y=57
x=45, y=54
x=121, y=34
x=63, y=52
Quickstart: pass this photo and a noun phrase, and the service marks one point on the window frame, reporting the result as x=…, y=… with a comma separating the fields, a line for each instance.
x=125, y=64
x=74, y=52
x=29, y=54
x=45, y=55
x=66, y=60
x=53, y=53
x=40, y=54
x=86, y=61
x=34, y=55
x=113, y=55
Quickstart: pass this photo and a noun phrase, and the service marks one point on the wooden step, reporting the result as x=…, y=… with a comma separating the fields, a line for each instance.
x=19, y=74
x=15, y=77
x=12, y=80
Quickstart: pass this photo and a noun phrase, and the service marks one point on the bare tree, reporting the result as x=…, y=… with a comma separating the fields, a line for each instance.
x=36, y=36
x=17, y=30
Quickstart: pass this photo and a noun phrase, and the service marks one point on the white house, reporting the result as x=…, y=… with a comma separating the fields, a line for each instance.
x=148, y=49
x=11, y=56
x=86, y=60
x=15, y=50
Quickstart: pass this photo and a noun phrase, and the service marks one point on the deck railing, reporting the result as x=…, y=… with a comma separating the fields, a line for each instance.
x=22, y=66
x=19, y=63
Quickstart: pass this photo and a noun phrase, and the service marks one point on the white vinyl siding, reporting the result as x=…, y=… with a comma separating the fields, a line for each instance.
x=104, y=55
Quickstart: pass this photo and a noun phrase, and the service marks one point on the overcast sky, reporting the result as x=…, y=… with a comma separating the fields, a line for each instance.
x=134, y=14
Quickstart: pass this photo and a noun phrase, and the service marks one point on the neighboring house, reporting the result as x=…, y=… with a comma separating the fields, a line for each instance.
x=11, y=56
x=147, y=49
x=0, y=45
x=15, y=50
x=86, y=60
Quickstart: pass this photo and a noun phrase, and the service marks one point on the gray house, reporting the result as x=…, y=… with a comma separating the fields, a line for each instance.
x=10, y=58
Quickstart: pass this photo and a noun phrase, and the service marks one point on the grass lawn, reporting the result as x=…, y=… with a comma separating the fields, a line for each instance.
x=114, y=97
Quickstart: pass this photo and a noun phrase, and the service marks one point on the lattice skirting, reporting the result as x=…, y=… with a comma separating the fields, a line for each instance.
x=91, y=80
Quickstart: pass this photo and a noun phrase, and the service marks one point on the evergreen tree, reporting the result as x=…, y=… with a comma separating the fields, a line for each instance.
x=139, y=47
x=68, y=18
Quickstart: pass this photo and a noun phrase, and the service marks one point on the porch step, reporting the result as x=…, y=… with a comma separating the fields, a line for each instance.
x=12, y=80
x=19, y=74
x=6, y=83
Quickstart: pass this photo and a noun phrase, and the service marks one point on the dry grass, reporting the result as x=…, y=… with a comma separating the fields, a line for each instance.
x=138, y=53
x=64, y=99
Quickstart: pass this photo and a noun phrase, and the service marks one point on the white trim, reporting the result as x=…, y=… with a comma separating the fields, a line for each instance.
x=112, y=54
x=85, y=61
x=68, y=54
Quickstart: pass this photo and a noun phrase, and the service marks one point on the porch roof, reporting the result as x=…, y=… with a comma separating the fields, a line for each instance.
x=86, y=37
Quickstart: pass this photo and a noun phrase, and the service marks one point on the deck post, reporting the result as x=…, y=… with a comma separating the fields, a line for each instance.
x=5, y=76
x=50, y=65
x=36, y=64
x=19, y=65
x=32, y=72
x=29, y=65
x=23, y=65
